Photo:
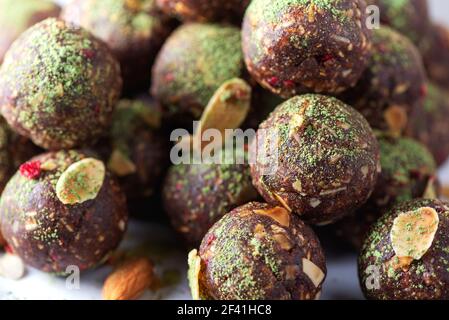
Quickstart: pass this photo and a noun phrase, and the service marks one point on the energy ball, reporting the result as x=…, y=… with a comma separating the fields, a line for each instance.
x=391, y=85
x=196, y=196
x=14, y=150
x=429, y=123
x=140, y=152
x=205, y=10
x=58, y=85
x=408, y=172
x=410, y=17
x=435, y=51
x=258, y=252
x=61, y=209
x=133, y=30
x=296, y=46
x=194, y=62
x=17, y=16
x=405, y=256
x=326, y=161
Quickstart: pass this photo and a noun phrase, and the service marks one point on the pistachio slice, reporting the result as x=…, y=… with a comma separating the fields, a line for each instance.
x=81, y=181
x=227, y=109
x=413, y=232
x=278, y=214
x=193, y=274
x=315, y=274
x=120, y=164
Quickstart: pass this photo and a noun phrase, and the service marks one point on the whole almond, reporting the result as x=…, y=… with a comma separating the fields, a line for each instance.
x=129, y=281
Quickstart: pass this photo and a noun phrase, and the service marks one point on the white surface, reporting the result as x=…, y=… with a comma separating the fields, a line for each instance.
x=341, y=282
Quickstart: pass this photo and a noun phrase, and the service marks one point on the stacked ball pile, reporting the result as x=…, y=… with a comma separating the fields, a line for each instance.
x=361, y=115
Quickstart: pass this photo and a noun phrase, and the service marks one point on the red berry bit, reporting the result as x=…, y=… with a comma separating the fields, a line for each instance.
x=326, y=58
x=289, y=84
x=9, y=249
x=424, y=91
x=31, y=169
x=87, y=53
x=169, y=77
x=273, y=81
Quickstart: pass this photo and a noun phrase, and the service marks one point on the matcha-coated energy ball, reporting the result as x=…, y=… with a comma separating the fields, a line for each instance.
x=58, y=85
x=258, y=252
x=429, y=123
x=405, y=256
x=194, y=62
x=14, y=150
x=408, y=172
x=196, y=196
x=293, y=46
x=139, y=155
x=205, y=10
x=392, y=84
x=17, y=16
x=435, y=51
x=63, y=208
x=409, y=17
x=325, y=162
x=133, y=30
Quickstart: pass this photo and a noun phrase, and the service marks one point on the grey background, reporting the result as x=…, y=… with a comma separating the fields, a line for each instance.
x=440, y=10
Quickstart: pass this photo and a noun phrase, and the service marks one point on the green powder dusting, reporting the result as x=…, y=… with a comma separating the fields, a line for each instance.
x=194, y=62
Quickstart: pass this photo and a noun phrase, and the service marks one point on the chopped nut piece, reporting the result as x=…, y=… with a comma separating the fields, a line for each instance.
x=120, y=164
x=11, y=267
x=397, y=119
x=291, y=272
x=49, y=165
x=282, y=202
x=194, y=262
x=315, y=274
x=278, y=214
x=297, y=186
x=283, y=241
